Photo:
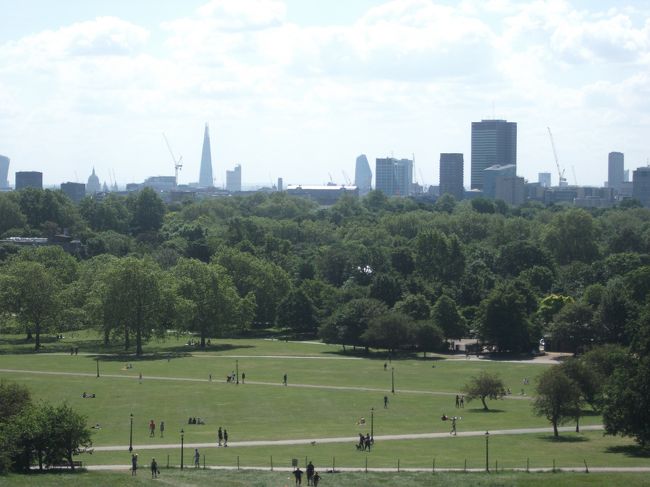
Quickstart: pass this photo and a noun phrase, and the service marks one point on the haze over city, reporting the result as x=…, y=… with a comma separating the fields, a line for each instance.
x=298, y=89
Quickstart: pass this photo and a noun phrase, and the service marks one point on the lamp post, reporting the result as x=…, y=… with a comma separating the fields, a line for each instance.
x=372, y=425
x=237, y=369
x=182, y=445
x=487, y=451
x=392, y=380
x=131, y=435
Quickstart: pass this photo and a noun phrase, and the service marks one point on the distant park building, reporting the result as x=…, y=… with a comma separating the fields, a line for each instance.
x=93, y=186
x=4, y=172
x=205, y=175
x=641, y=185
x=75, y=191
x=544, y=179
x=451, y=175
x=493, y=142
x=394, y=177
x=615, y=170
x=363, y=174
x=29, y=179
x=233, y=179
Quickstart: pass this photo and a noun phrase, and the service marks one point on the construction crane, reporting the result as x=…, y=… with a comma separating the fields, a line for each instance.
x=346, y=178
x=177, y=162
x=560, y=172
x=575, y=179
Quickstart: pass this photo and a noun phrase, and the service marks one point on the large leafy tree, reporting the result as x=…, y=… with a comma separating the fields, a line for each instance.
x=558, y=397
x=348, y=323
x=446, y=316
x=29, y=290
x=390, y=331
x=147, y=211
x=210, y=295
x=484, y=386
x=502, y=320
x=296, y=311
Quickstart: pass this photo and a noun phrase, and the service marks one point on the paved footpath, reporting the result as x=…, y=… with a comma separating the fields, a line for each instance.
x=348, y=439
x=248, y=382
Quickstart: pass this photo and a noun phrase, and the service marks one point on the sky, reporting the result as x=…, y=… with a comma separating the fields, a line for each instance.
x=299, y=88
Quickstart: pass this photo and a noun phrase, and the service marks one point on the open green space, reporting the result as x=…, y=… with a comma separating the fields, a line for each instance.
x=328, y=392
x=200, y=478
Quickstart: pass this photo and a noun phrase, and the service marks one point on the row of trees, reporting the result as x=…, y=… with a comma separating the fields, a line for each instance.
x=40, y=433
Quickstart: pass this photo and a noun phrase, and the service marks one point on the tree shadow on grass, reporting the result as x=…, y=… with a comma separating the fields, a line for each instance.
x=180, y=351
x=629, y=451
x=484, y=411
x=564, y=438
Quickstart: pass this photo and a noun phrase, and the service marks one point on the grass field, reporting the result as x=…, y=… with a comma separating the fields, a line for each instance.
x=282, y=479
x=327, y=394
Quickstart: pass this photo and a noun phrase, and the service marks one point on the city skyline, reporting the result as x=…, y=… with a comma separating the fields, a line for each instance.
x=298, y=90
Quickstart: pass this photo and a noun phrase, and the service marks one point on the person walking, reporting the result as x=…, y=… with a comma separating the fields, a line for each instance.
x=134, y=464
x=284, y=379
x=225, y=437
x=462, y=401
x=197, y=458
x=298, y=474
x=243, y=377
x=154, y=468
x=219, y=436
x=453, y=426
x=316, y=479
x=310, y=473
x=162, y=428
x=385, y=402
x=152, y=429
x=368, y=442
x=457, y=400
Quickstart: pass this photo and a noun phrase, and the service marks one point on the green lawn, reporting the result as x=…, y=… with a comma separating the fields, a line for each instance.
x=201, y=478
x=175, y=386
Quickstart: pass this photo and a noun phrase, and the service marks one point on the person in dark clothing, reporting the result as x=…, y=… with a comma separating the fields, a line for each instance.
x=316, y=479
x=298, y=474
x=225, y=437
x=219, y=436
x=154, y=468
x=310, y=473
x=368, y=441
x=385, y=402
x=284, y=379
x=134, y=464
x=457, y=400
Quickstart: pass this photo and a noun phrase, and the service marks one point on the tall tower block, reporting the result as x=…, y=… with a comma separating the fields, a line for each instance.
x=205, y=176
x=4, y=172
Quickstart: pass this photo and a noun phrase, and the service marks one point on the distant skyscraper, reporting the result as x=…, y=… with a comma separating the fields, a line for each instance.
x=493, y=142
x=93, y=185
x=75, y=191
x=280, y=184
x=205, y=176
x=363, y=174
x=544, y=179
x=615, y=170
x=4, y=172
x=641, y=185
x=451, y=175
x=233, y=179
x=29, y=179
x=394, y=177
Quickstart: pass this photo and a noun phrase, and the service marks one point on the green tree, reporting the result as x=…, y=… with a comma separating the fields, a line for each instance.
x=390, y=331
x=558, y=397
x=572, y=235
x=30, y=291
x=503, y=321
x=296, y=311
x=445, y=315
x=147, y=210
x=10, y=214
x=414, y=305
x=484, y=386
x=573, y=327
x=69, y=435
x=427, y=336
x=349, y=322
x=439, y=256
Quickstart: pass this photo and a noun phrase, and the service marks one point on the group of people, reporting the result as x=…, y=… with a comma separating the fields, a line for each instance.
x=86, y=395
x=192, y=420
x=152, y=429
x=312, y=476
x=74, y=350
x=364, y=442
x=222, y=436
x=155, y=471
x=460, y=401
x=453, y=420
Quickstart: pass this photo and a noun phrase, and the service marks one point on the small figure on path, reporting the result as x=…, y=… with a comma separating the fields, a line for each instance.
x=462, y=401
x=225, y=437
x=162, y=428
x=457, y=400
x=140, y=376
x=385, y=402
x=316, y=479
x=154, y=468
x=368, y=442
x=210, y=377
x=284, y=379
x=152, y=429
x=134, y=464
x=385, y=365
x=197, y=458
x=219, y=436
x=298, y=474
x=362, y=442
x=310, y=473
x=243, y=377
x=453, y=426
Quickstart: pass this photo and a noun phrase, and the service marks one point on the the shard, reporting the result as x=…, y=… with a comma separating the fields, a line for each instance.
x=205, y=176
